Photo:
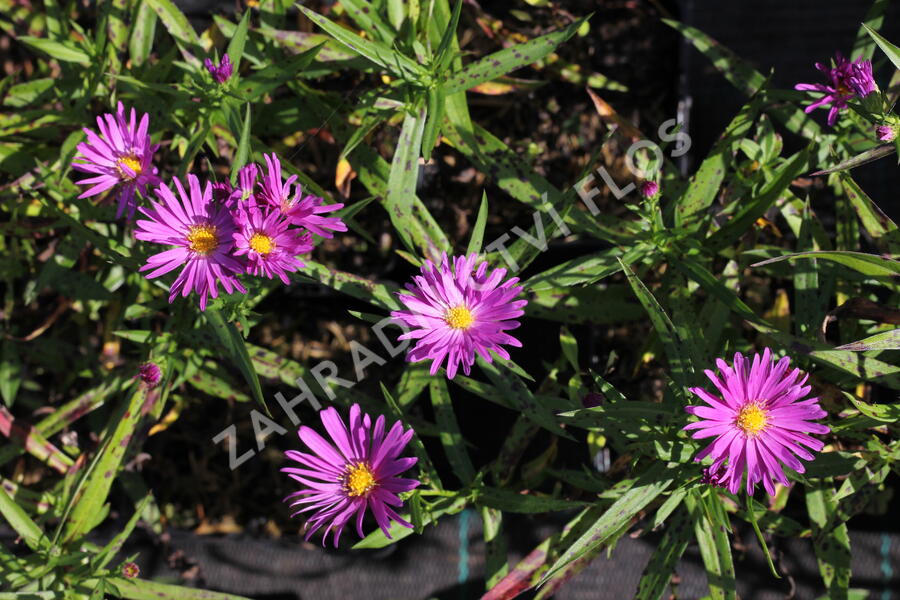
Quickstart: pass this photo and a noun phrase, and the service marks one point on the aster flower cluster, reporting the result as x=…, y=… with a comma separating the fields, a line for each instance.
x=219, y=232
x=846, y=81
x=215, y=232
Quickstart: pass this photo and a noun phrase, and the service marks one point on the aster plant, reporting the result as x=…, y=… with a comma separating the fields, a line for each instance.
x=311, y=213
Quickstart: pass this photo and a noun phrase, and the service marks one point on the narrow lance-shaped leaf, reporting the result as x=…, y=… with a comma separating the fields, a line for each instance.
x=398, y=64
x=180, y=28
x=242, y=154
x=451, y=438
x=234, y=346
x=886, y=340
x=476, y=239
x=892, y=51
x=661, y=566
x=143, y=30
x=831, y=540
x=21, y=523
x=238, y=40
x=711, y=528
x=509, y=59
x=401, y=185
x=648, y=486
x=93, y=488
x=860, y=159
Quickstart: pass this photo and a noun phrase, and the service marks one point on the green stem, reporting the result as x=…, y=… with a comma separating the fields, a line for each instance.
x=759, y=535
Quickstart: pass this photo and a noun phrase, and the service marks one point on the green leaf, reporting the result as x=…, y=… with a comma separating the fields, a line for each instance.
x=860, y=159
x=21, y=523
x=63, y=51
x=864, y=368
x=711, y=529
x=10, y=372
x=112, y=548
x=242, y=154
x=236, y=44
x=831, y=541
x=886, y=340
x=749, y=212
x=93, y=488
x=886, y=413
x=143, y=589
x=864, y=46
x=514, y=502
x=476, y=239
x=435, y=99
x=674, y=346
x=879, y=226
x=661, y=566
x=704, y=185
x=509, y=59
x=401, y=185
x=870, y=265
x=143, y=30
x=647, y=487
x=443, y=55
x=236, y=349
x=892, y=51
x=395, y=62
x=451, y=438
x=520, y=397
x=179, y=28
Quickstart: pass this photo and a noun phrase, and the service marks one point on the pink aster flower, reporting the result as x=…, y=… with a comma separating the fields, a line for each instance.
x=150, y=374
x=201, y=231
x=649, y=189
x=837, y=92
x=861, y=79
x=302, y=210
x=271, y=248
x=119, y=157
x=222, y=72
x=357, y=471
x=456, y=312
x=760, y=422
x=886, y=133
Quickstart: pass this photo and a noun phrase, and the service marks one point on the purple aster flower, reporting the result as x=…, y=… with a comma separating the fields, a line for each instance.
x=454, y=313
x=358, y=471
x=201, y=232
x=886, y=133
x=837, y=93
x=303, y=210
x=649, y=189
x=150, y=374
x=760, y=422
x=271, y=248
x=221, y=192
x=222, y=72
x=119, y=157
x=861, y=79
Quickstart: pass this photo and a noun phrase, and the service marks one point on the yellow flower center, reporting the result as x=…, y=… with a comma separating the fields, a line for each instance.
x=261, y=243
x=202, y=238
x=459, y=317
x=132, y=163
x=752, y=419
x=358, y=480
